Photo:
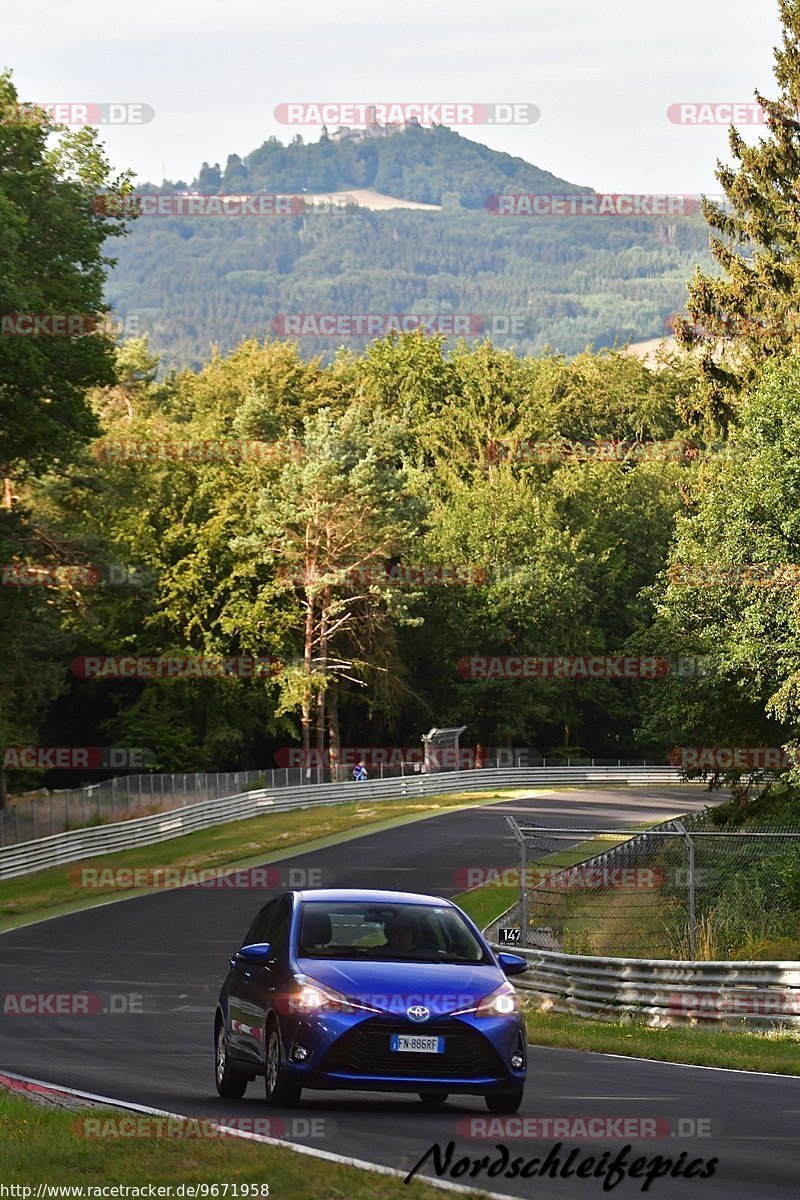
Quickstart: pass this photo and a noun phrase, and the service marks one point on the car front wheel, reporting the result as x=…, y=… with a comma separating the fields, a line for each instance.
x=280, y=1091
x=231, y=1082
x=504, y=1102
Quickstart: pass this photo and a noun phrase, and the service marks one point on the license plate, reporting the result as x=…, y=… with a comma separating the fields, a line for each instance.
x=416, y=1044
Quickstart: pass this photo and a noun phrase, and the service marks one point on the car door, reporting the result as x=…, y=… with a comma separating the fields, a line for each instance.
x=260, y=985
x=240, y=1016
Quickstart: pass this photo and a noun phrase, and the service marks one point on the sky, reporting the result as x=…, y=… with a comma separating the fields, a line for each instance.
x=214, y=71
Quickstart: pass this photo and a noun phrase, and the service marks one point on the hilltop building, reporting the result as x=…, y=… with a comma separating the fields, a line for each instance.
x=346, y=133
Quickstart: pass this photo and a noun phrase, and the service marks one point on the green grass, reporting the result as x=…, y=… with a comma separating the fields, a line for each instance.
x=236, y=845
x=776, y=1051
x=46, y=1145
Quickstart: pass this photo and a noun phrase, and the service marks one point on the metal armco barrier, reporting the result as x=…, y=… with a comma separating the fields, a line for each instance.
x=77, y=844
x=660, y=990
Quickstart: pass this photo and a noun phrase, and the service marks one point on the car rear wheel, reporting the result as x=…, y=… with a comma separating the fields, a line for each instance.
x=504, y=1102
x=280, y=1091
x=433, y=1099
x=231, y=1082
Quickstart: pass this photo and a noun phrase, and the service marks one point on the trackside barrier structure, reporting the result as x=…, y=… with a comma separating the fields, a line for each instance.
x=43, y=813
x=26, y=857
x=660, y=990
x=667, y=852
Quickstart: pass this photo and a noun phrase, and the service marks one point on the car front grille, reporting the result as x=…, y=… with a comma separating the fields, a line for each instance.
x=365, y=1051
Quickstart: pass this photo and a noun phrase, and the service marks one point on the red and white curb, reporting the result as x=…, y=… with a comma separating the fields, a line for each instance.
x=22, y=1085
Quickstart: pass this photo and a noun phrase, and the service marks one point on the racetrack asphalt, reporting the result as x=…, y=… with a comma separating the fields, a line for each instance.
x=171, y=950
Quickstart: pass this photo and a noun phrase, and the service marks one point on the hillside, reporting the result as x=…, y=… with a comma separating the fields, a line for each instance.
x=416, y=164
x=530, y=282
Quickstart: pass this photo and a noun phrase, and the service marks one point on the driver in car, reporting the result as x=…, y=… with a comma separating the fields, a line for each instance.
x=400, y=937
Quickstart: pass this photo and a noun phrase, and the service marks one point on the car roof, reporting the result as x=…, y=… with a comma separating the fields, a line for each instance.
x=369, y=896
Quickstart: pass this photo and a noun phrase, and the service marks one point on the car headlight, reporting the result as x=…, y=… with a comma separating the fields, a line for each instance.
x=502, y=1002
x=313, y=997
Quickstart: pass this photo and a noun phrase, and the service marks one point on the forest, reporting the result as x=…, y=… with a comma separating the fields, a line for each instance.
x=532, y=283
x=268, y=548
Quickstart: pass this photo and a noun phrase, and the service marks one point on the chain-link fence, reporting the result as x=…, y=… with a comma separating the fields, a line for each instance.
x=117, y=799
x=29, y=817
x=682, y=890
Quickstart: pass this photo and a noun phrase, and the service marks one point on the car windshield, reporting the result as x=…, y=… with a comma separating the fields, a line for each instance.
x=387, y=932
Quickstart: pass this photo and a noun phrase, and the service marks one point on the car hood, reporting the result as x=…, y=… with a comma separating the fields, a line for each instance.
x=393, y=987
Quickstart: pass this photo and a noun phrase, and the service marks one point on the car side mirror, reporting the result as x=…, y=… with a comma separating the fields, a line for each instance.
x=258, y=954
x=512, y=964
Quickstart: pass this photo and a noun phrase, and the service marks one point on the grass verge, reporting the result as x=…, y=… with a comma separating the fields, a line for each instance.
x=45, y=1145
x=776, y=1051
x=234, y=846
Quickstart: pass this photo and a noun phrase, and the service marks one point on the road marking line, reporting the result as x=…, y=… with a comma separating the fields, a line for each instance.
x=39, y=1086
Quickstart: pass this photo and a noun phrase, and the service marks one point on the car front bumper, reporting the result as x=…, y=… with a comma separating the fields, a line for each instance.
x=353, y=1051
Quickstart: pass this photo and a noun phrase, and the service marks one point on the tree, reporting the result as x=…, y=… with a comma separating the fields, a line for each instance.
x=325, y=528
x=32, y=646
x=730, y=593
x=209, y=179
x=52, y=238
x=236, y=177
x=52, y=234
x=564, y=560
x=752, y=306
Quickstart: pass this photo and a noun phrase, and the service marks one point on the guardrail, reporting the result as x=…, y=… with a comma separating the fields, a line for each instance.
x=665, y=992
x=26, y=857
x=44, y=813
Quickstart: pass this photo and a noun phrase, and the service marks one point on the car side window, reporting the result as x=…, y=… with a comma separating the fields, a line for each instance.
x=260, y=929
x=278, y=934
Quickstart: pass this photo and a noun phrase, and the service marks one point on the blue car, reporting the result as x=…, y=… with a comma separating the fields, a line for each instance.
x=370, y=990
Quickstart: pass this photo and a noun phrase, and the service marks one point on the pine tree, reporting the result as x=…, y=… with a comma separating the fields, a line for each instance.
x=751, y=312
